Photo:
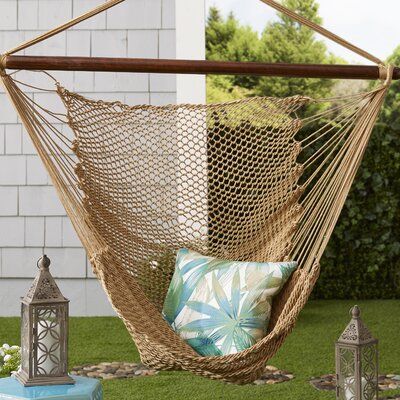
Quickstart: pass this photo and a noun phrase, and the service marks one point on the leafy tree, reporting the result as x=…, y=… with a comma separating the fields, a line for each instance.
x=281, y=41
x=227, y=40
x=219, y=32
x=221, y=88
x=287, y=41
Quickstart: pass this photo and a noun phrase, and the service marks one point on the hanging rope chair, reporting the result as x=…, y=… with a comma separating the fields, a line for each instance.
x=253, y=180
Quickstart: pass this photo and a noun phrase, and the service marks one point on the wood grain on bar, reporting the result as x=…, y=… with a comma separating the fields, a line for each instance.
x=193, y=67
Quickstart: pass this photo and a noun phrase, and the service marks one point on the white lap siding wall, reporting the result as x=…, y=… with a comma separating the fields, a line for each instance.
x=32, y=220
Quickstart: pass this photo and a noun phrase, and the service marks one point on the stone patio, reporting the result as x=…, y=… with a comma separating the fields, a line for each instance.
x=385, y=382
x=113, y=370
x=273, y=375
x=123, y=370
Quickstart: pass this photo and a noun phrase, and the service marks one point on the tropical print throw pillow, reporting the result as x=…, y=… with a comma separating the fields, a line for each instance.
x=222, y=307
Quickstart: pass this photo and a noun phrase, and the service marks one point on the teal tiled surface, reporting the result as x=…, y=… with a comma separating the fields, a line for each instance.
x=83, y=389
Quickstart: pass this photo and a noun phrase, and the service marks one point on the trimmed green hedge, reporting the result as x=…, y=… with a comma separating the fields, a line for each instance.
x=363, y=257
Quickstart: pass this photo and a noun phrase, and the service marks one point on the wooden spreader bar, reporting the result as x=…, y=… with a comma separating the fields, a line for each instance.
x=201, y=67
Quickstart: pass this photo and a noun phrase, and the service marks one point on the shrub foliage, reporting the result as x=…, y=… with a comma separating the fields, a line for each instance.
x=363, y=256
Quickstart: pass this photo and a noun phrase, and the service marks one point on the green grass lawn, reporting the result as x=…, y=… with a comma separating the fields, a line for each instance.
x=309, y=351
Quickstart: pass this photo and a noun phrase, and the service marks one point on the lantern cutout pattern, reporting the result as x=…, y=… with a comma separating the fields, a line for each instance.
x=356, y=361
x=44, y=332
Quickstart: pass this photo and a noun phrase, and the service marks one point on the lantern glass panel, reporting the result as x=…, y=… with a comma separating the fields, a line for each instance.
x=25, y=336
x=369, y=371
x=48, y=340
x=347, y=384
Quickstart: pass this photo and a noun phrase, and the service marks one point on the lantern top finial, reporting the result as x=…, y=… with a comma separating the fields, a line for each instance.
x=355, y=312
x=44, y=263
x=356, y=332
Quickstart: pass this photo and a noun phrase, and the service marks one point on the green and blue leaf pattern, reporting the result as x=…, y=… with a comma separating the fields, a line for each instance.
x=222, y=307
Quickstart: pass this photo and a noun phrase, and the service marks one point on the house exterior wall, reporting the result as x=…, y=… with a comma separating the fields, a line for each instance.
x=32, y=220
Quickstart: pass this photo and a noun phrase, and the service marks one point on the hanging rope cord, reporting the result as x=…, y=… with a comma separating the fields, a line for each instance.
x=274, y=218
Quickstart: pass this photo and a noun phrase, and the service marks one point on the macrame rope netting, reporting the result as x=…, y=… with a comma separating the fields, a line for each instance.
x=254, y=179
x=222, y=179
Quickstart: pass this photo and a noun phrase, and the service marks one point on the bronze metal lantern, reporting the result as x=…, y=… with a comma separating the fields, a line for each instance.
x=44, y=332
x=356, y=361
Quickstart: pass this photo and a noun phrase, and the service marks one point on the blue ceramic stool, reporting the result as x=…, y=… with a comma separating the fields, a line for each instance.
x=84, y=389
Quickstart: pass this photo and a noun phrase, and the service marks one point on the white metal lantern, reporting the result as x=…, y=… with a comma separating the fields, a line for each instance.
x=356, y=361
x=44, y=332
